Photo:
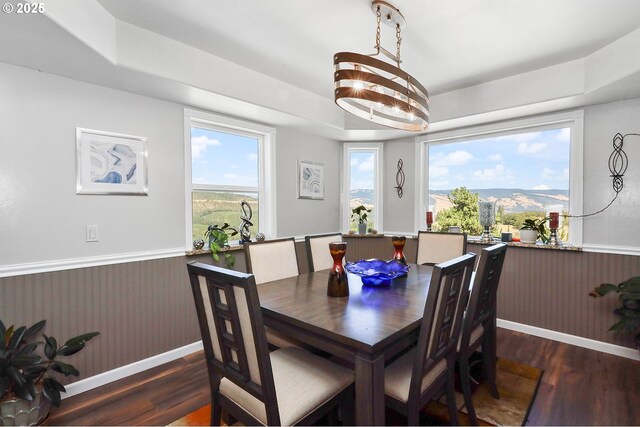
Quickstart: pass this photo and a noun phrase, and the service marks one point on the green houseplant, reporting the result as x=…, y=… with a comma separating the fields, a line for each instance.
x=359, y=213
x=218, y=236
x=534, y=229
x=25, y=374
x=629, y=309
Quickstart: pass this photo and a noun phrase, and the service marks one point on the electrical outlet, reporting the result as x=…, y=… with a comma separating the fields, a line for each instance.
x=92, y=233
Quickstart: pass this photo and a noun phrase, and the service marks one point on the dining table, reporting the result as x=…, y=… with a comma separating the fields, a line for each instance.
x=366, y=329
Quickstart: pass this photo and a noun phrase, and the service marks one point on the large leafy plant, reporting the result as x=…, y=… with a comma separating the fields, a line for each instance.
x=218, y=236
x=23, y=372
x=360, y=214
x=537, y=225
x=629, y=309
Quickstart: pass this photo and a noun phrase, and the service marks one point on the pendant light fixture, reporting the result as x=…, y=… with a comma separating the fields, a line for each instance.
x=379, y=90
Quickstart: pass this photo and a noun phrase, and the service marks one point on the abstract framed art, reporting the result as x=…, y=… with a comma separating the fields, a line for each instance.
x=310, y=180
x=110, y=163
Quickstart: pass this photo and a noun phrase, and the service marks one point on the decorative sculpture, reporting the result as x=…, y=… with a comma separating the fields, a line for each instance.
x=399, y=179
x=245, y=234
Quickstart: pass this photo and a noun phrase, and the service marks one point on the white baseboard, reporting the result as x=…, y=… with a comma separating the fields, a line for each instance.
x=618, y=350
x=131, y=369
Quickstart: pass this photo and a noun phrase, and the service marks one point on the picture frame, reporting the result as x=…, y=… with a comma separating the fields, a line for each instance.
x=310, y=180
x=110, y=163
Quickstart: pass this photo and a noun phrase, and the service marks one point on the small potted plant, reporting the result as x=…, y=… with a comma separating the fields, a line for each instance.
x=218, y=236
x=629, y=309
x=26, y=388
x=360, y=214
x=532, y=230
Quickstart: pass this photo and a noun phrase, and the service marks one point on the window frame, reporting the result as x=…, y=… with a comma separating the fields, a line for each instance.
x=378, y=149
x=571, y=119
x=266, y=188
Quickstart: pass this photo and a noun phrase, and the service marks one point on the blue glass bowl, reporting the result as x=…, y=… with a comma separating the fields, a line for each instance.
x=377, y=272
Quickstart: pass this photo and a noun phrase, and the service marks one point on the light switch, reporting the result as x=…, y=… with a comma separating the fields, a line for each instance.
x=92, y=233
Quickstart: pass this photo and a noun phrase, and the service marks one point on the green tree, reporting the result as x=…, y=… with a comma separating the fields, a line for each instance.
x=463, y=213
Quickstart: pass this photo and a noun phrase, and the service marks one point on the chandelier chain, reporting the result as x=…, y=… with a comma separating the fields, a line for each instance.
x=378, y=14
x=398, y=42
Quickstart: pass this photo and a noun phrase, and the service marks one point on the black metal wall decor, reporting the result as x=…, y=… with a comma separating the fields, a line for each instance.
x=399, y=179
x=618, y=162
x=247, y=213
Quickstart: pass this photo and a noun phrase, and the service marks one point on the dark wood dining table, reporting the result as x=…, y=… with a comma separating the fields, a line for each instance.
x=366, y=328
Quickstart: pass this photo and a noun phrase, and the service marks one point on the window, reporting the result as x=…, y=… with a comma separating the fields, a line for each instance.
x=529, y=170
x=362, y=184
x=227, y=161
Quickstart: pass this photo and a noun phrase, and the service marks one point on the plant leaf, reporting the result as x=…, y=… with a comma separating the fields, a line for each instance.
x=51, y=389
x=26, y=360
x=50, y=347
x=81, y=339
x=5, y=383
x=605, y=288
x=65, y=368
x=16, y=338
x=26, y=390
x=35, y=328
x=27, y=349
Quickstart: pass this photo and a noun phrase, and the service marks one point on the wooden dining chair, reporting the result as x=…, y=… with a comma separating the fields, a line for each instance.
x=318, y=255
x=479, y=324
x=424, y=372
x=435, y=247
x=272, y=259
x=286, y=387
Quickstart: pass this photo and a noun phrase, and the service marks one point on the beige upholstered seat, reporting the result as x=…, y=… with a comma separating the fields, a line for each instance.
x=318, y=255
x=479, y=324
x=434, y=247
x=271, y=260
x=288, y=386
x=426, y=371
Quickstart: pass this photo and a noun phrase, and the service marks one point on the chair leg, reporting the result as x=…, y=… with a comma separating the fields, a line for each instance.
x=451, y=396
x=489, y=365
x=347, y=414
x=216, y=412
x=465, y=382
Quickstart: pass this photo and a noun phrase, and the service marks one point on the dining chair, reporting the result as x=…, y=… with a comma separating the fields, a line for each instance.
x=479, y=324
x=273, y=260
x=318, y=255
x=435, y=247
x=424, y=372
x=286, y=387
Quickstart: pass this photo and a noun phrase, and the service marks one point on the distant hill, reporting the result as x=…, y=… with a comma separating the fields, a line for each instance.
x=361, y=197
x=512, y=199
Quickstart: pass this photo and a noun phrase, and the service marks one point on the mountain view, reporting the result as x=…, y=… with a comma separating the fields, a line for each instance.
x=511, y=199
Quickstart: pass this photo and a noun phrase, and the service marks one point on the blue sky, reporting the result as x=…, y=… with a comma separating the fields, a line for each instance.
x=535, y=160
x=361, y=164
x=223, y=159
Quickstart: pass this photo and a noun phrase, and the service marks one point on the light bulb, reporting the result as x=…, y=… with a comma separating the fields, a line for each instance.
x=358, y=85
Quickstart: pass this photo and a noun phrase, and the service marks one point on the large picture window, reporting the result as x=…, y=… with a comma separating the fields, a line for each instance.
x=227, y=163
x=528, y=171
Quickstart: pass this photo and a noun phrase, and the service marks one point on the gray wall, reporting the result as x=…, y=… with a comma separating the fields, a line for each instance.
x=398, y=212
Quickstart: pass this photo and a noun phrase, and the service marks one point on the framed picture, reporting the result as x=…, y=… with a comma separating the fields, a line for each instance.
x=110, y=163
x=310, y=180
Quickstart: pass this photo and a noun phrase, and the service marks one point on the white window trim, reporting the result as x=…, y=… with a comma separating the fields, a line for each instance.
x=266, y=157
x=348, y=147
x=571, y=119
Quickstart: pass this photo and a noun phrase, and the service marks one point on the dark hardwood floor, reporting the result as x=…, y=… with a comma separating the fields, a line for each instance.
x=579, y=387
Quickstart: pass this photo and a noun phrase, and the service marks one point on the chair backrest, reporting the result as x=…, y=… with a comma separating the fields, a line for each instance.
x=318, y=255
x=272, y=259
x=436, y=247
x=482, y=301
x=233, y=334
x=442, y=318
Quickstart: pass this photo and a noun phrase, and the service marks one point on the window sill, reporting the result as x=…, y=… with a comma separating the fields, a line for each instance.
x=368, y=235
x=230, y=248
x=564, y=247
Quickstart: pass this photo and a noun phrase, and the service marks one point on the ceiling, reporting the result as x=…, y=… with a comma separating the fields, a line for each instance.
x=446, y=44
x=271, y=61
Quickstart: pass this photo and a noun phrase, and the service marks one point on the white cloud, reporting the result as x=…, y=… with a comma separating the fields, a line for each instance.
x=565, y=173
x=564, y=135
x=457, y=158
x=367, y=165
x=536, y=147
x=199, y=145
x=252, y=156
x=438, y=171
x=541, y=187
x=548, y=174
x=497, y=173
x=497, y=157
x=355, y=161
x=230, y=175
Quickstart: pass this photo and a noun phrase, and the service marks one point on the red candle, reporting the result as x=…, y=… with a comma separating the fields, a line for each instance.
x=554, y=220
x=429, y=218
